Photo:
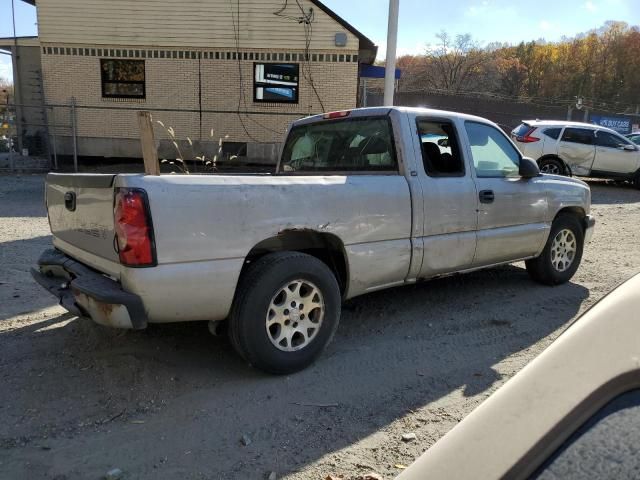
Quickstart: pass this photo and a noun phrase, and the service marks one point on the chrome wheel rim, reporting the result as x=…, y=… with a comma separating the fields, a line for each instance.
x=550, y=168
x=563, y=250
x=295, y=315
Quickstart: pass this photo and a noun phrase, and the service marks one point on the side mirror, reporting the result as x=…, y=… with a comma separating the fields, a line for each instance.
x=630, y=148
x=443, y=142
x=529, y=168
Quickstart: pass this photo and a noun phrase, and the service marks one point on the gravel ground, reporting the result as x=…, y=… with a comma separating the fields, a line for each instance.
x=78, y=400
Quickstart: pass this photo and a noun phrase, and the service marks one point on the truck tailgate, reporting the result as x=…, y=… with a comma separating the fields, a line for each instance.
x=80, y=211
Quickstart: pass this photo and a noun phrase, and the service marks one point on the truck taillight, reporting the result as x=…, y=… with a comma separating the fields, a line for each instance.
x=334, y=115
x=134, y=232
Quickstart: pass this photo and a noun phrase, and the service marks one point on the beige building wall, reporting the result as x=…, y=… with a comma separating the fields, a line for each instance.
x=186, y=23
x=194, y=81
x=206, y=84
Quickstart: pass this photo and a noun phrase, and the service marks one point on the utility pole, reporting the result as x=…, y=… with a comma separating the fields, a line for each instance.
x=392, y=43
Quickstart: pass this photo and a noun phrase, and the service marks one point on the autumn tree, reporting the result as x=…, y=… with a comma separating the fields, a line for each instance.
x=601, y=66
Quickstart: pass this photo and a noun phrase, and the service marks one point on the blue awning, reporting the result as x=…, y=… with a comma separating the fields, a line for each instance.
x=372, y=71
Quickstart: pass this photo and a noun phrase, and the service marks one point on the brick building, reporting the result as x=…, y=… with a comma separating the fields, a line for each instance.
x=242, y=69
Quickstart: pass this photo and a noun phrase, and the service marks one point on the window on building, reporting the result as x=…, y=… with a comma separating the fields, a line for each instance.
x=276, y=82
x=353, y=145
x=123, y=78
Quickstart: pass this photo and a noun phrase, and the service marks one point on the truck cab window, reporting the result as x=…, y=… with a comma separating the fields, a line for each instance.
x=440, y=149
x=336, y=146
x=494, y=156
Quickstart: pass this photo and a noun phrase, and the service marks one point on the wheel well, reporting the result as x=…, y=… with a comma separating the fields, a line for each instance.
x=324, y=246
x=577, y=212
x=567, y=168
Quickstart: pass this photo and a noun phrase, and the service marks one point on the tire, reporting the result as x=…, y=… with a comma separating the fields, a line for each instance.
x=552, y=166
x=268, y=307
x=565, y=244
x=636, y=181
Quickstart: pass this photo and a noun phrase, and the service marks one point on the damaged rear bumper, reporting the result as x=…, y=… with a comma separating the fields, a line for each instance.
x=87, y=293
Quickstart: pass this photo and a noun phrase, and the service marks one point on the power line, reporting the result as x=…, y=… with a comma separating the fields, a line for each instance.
x=307, y=20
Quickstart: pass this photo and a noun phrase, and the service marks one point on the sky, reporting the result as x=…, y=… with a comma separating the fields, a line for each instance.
x=505, y=21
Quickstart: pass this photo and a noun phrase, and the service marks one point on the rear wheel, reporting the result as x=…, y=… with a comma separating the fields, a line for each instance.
x=552, y=166
x=562, y=254
x=286, y=312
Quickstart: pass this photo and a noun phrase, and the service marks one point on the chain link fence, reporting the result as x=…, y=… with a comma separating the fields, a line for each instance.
x=72, y=137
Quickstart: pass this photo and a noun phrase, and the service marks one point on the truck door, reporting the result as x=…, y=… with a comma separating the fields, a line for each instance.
x=449, y=197
x=511, y=210
x=612, y=155
x=577, y=149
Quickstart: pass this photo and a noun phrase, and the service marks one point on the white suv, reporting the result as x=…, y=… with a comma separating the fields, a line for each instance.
x=582, y=149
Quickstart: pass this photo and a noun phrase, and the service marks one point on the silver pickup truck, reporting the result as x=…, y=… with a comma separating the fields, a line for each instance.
x=360, y=201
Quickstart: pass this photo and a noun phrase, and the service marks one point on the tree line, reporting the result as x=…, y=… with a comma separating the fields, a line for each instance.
x=601, y=67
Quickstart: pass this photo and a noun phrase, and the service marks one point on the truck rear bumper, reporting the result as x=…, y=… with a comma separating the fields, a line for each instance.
x=87, y=293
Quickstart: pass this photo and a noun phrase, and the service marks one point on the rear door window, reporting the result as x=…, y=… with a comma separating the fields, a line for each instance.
x=553, y=133
x=578, y=135
x=341, y=146
x=441, y=155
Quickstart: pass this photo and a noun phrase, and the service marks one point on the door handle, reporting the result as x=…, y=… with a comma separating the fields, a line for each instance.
x=487, y=196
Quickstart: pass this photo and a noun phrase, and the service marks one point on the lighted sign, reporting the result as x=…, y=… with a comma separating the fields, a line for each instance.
x=276, y=82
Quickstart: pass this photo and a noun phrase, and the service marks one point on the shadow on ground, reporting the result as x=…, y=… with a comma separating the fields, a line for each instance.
x=174, y=402
x=19, y=293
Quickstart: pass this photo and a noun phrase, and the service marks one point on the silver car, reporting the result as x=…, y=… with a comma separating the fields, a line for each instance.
x=581, y=149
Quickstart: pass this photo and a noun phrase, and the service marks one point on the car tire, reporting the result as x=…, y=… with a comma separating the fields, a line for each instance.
x=562, y=254
x=552, y=166
x=270, y=326
x=636, y=181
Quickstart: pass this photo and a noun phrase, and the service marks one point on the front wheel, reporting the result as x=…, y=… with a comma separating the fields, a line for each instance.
x=562, y=254
x=552, y=166
x=286, y=311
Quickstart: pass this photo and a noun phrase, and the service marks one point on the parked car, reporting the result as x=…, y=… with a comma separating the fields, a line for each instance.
x=634, y=137
x=572, y=413
x=360, y=201
x=581, y=149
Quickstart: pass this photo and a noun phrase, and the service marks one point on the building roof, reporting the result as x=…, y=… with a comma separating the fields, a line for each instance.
x=367, y=47
x=7, y=43
x=365, y=42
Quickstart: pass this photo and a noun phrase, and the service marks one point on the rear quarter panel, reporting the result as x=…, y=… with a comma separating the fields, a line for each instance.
x=203, y=219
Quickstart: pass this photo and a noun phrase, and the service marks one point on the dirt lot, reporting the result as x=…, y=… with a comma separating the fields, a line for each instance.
x=77, y=400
